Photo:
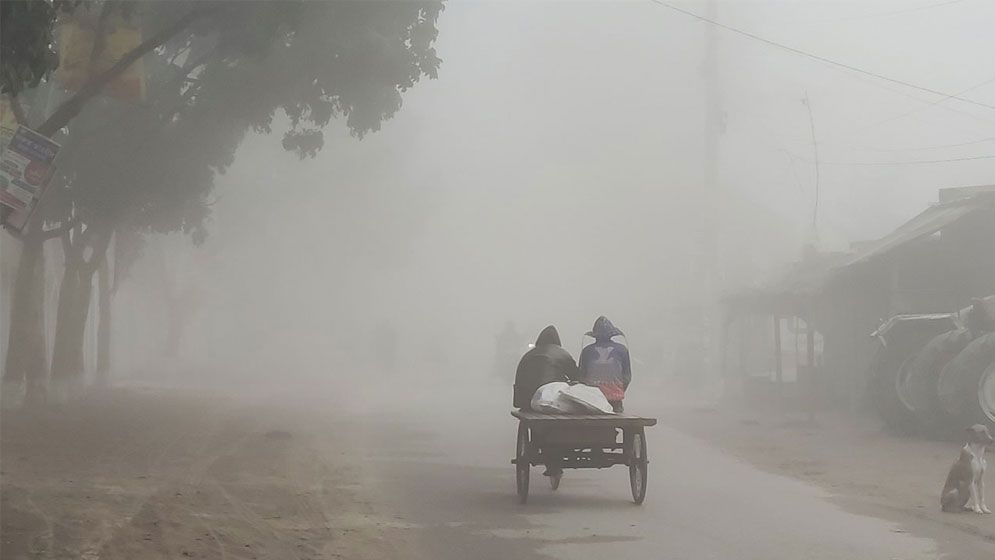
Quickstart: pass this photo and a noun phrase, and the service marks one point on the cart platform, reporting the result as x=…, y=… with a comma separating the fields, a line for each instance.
x=600, y=420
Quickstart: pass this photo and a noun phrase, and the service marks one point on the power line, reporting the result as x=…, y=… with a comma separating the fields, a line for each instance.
x=843, y=138
x=935, y=147
x=776, y=142
x=885, y=14
x=887, y=163
x=819, y=58
x=928, y=105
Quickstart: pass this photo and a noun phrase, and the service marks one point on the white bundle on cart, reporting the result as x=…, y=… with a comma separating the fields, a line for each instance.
x=562, y=398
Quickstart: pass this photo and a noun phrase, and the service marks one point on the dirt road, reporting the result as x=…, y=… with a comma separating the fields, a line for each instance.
x=389, y=474
x=451, y=478
x=852, y=456
x=163, y=475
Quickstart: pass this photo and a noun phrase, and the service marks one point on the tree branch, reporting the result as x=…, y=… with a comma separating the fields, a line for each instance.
x=47, y=234
x=17, y=109
x=51, y=233
x=10, y=231
x=72, y=107
x=181, y=76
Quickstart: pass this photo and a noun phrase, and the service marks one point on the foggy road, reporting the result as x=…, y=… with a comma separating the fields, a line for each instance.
x=444, y=474
x=402, y=470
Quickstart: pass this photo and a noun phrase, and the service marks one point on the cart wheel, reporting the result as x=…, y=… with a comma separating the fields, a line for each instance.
x=554, y=480
x=522, y=462
x=638, y=466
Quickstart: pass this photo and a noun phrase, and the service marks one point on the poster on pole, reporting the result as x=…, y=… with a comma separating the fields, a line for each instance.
x=26, y=166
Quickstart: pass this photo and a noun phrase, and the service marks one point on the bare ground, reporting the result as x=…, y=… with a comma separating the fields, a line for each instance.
x=159, y=474
x=164, y=474
x=865, y=468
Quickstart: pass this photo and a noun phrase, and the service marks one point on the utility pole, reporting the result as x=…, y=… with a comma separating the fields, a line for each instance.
x=710, y=200
x=713, y=124
x=815, y=149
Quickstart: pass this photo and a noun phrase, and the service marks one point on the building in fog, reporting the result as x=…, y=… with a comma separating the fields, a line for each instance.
x=816, y=318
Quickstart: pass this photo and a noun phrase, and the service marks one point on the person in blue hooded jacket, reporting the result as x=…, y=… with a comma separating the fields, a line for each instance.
x=605, y=363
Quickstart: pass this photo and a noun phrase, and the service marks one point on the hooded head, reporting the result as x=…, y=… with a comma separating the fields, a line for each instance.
x=548, y=336
x=603, y=329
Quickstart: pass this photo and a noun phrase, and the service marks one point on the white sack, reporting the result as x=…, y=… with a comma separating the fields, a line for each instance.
x=588, y=399
x=549, y=399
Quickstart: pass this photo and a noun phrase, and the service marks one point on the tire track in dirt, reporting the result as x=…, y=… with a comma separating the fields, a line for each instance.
x=155, y=459
x=162, y=503
x=166, y=476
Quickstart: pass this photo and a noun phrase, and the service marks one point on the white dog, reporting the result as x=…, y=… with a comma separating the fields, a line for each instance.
x=965, y=487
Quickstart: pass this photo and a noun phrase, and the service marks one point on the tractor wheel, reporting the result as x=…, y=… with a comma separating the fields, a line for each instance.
x=966, y=387
x=921, y=378
x=887, y=377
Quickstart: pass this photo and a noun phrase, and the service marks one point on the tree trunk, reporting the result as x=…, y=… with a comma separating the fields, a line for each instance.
x=174, y=330
x=25, y=363
x=104, y=325
x=70, y=329
x=73, y=310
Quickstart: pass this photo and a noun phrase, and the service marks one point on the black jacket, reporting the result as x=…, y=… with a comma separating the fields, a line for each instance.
x=546, y=363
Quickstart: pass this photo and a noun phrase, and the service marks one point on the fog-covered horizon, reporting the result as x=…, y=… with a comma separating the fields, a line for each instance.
x=553, y=173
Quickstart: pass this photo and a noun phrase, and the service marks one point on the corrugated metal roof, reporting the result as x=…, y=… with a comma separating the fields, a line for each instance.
x=953, y=193
x=928, y=222
x=804, y=279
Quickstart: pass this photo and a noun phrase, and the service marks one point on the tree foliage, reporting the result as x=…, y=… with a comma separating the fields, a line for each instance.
x=241, y=69
x=27, y=53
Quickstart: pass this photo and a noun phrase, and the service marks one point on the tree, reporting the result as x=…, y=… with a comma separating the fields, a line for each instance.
x=231, y=68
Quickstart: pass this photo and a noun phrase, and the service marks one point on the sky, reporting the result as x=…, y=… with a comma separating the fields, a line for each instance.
x=554, y=172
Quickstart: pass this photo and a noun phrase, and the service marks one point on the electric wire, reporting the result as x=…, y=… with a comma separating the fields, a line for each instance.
x=818, y=57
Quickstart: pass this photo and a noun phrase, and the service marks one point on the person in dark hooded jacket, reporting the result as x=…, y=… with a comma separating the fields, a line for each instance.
x=545, y=363
x=605, y=363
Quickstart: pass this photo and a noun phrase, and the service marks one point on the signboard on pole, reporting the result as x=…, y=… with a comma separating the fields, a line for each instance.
x=26, y=166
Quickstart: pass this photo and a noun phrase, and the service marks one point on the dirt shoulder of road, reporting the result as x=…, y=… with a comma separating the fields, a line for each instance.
x=865, y=469
x=157, y=474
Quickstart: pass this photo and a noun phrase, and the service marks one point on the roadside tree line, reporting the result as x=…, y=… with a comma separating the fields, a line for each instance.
x=214, y=72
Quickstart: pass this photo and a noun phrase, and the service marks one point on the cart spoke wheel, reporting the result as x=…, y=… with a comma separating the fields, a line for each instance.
x=554, y=480
x=638, y=466
x=522, y=462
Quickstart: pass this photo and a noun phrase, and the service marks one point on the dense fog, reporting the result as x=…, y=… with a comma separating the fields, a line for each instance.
x=557, y=170
x=554, y=172
x=273, y=274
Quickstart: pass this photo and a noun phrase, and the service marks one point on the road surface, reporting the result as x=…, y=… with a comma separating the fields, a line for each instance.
x=443, y=474
x=402, y=471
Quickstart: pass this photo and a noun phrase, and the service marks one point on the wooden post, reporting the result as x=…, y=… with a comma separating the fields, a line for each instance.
x=778, y=358
x=744, y=330
x=810, y=354
x=724, y=349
